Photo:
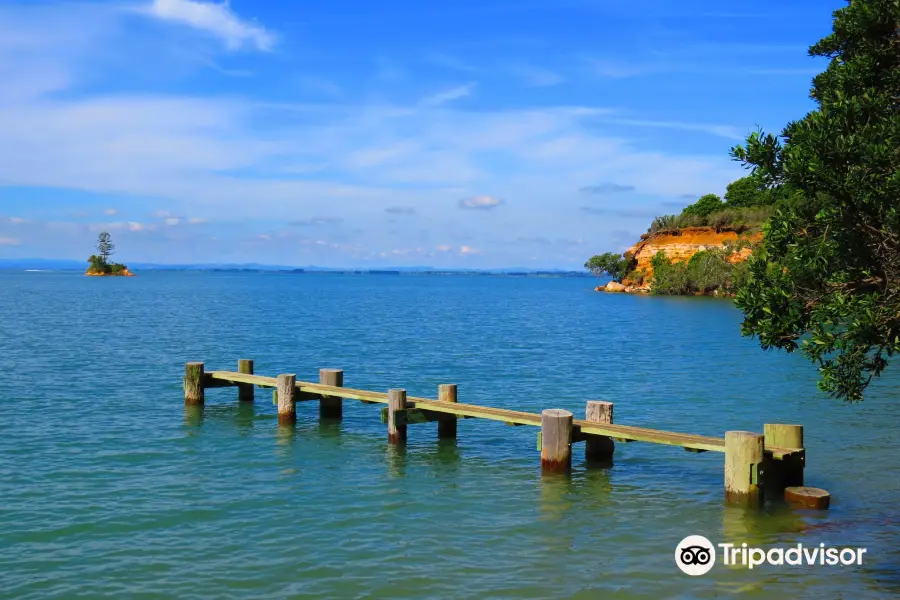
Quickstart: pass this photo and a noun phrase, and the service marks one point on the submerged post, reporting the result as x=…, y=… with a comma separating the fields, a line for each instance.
x=598, y=448
x=287, y=408
x=194, y=394
x=556, y=440
x=396, y=427
x=447, y=427
x=331, y=407
x=789, y=471
x=245, y=390
x=744, y=453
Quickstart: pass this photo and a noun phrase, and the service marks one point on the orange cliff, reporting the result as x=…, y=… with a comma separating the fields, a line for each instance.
x=125, y=273
x=678, y=246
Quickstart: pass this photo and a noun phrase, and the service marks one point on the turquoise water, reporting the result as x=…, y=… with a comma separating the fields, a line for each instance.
x=110, y=488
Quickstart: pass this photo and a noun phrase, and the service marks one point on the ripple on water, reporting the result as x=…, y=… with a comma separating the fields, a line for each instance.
x=109, y=487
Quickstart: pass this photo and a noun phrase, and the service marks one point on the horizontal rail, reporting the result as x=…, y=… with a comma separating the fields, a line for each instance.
x=510, y=417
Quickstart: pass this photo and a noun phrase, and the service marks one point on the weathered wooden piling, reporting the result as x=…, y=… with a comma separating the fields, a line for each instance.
x=287, y=407
x=447, y=427
x=744, y=474
x=396, y=426
x=808, y=497
x=789, y=471
x=194, y=393
x=556, y=440
x=331, y=407
x=245, y=390
x=598, y=448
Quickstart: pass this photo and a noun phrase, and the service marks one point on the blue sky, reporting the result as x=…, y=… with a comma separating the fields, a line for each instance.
x=532, y=133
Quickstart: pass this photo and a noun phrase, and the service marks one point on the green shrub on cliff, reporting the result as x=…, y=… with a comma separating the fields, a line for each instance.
x=669, y=278
x=707, y=272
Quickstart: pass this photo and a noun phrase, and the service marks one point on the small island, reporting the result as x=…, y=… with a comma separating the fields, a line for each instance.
x=99, y=263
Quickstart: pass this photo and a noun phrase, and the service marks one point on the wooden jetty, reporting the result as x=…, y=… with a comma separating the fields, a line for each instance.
x=754, y=462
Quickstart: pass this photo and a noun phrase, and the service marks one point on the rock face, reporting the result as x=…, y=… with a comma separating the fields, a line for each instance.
x=125, y=273
x=683, y=244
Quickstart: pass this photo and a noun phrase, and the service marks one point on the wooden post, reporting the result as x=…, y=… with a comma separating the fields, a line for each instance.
x=598, y=448
x=743, y=462
x=447, y=428
x=194, y=394
x=245, y=390
x=556, y=440
x=287, y=408
x=787, y=472
x=396, y=402
x=331, y=407
x=808, y=497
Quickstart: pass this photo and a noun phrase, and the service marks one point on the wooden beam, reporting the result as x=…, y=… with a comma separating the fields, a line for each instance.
x=209, y=383
x=621, y=433
x=415, y=416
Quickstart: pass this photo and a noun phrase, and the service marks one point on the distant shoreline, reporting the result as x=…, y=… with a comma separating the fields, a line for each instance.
x=377, y=272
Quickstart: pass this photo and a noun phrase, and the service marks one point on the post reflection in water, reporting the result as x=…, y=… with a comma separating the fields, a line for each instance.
x=395, y=455
x=193, y=416
x=244, y=416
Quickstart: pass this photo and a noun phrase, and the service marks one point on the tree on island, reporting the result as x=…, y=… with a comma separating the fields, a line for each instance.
x=99, y=263
x=826, y=280
x=105, y=246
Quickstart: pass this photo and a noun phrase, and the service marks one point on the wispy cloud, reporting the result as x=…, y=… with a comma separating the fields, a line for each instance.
x=455, y=93
x=400, y=210
x=480, y=203
x=8, y=241
x=606, y=188
x=213, y=18
x=618, y=70
x=316, y=221
x=623, y=213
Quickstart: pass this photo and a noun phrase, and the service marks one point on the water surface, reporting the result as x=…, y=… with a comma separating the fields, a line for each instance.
x=110, y=488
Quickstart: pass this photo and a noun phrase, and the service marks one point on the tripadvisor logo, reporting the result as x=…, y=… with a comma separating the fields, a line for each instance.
x=696, y=555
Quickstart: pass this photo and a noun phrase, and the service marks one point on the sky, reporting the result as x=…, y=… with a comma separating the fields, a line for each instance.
x=463, y=134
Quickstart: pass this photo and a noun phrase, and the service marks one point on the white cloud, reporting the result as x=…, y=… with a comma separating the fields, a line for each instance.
x=197, y=221
x=468, y=250
x=8, y=241
x=15, y=220
x=461, y=91
x=172, y=221
x=216, y=19
x=110, y=212
x=480, y=202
